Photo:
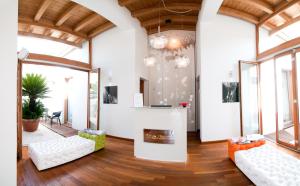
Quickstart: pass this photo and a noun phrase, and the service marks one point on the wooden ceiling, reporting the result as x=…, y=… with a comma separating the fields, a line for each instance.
x=273, y=15
x=149, y=11
x=60, y=20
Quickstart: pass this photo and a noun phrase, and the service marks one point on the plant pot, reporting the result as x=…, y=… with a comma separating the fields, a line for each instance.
x=30, y=125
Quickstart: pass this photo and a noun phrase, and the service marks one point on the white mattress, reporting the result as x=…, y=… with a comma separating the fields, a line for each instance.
x=59, y=151
x=267, y=166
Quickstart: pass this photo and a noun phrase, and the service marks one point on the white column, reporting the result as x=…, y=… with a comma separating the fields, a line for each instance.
x=8, y=91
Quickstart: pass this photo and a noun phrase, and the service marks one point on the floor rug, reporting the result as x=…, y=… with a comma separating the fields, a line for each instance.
x=41, y=134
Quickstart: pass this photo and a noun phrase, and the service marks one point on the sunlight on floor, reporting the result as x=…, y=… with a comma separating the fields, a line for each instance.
x=42, y=134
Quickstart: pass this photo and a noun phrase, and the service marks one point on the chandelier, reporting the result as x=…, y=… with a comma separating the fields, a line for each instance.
x=182, y=61
x=158, y=41
x=149, y=61
x=161, y=43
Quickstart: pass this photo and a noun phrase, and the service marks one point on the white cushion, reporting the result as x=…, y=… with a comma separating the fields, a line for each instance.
x=59, y=151
x=267, y=166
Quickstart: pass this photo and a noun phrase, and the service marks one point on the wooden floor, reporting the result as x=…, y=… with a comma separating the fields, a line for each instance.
x=63, y=129
x=284, y=136
x=207, y=164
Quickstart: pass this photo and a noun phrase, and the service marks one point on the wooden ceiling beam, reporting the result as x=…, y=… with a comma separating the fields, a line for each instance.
x=42, y=9
x=47, y=32
x=29, y=28
x=277, y=10
x=50, y=38
x=173, y=6
x=259, y=4
x=285, y=16
x=49, y=25
x=286, y=24
x=173, y=27
x=86, y=21
x=42, y=58
x=239, y=14
x=176, y=18
x=78, y=40
x=126, y=2
x=64, y=36
x=270, y=25
x=102, y=28
x=66, y=14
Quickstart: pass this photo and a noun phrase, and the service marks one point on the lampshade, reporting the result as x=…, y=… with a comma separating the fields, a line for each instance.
x=23, y=54
x=158, y=42
x=149, y=61
x=182, y=61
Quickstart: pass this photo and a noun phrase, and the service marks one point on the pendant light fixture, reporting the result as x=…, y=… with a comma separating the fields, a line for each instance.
x=158, y=41
x=182, y=61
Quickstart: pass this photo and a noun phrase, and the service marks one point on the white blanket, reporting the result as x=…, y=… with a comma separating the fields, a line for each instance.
x=56, y=152
x=267, y=166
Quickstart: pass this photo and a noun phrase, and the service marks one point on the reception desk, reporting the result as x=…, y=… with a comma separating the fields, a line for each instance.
x=160, y=134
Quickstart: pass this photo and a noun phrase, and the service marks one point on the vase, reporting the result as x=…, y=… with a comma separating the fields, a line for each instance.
x=30, y=125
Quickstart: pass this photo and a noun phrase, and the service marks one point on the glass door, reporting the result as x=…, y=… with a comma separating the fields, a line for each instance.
x=94, y=99
x=297, y=126
x=286, y=100
x=249, y=95
x=268, y=99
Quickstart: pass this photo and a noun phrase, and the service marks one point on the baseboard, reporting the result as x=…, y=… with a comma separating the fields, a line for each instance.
x=120, y=138
x=216, y=141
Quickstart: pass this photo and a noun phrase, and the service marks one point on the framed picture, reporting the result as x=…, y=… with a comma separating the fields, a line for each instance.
x=110, y=95
x=230, y=92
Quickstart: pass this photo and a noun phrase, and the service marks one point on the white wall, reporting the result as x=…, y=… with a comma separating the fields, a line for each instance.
x=222, y=42
x=8, y=93
x=119, y=53
x=141, y=51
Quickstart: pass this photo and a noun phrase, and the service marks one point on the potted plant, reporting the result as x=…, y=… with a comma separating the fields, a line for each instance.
x=34, y=87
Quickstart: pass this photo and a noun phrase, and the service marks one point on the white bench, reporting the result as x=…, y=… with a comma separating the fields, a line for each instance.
x=59, y=151
x=268, y=166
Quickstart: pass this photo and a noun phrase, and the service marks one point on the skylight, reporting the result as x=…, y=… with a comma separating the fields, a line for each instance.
x=53, y=48
x=290, y=32
x=268, y=41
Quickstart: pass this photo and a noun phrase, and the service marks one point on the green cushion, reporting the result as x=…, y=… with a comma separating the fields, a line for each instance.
x=99, y=139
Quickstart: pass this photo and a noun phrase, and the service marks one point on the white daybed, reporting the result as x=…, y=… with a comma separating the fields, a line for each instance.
x=56, y=152
x=267, y=166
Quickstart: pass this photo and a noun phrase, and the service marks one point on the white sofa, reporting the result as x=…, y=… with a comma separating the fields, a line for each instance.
x=268, y=166
x=59, y=151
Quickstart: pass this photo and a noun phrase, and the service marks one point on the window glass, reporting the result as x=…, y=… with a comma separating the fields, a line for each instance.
x=53, y=48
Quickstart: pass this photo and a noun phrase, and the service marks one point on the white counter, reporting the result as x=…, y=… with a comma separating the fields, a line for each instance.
x=173, y=120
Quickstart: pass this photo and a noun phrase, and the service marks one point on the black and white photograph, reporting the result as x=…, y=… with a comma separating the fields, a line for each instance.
x=110, y=95
x=230, y=92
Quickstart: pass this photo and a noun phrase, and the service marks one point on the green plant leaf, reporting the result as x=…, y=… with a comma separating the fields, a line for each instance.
x=34, y=86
